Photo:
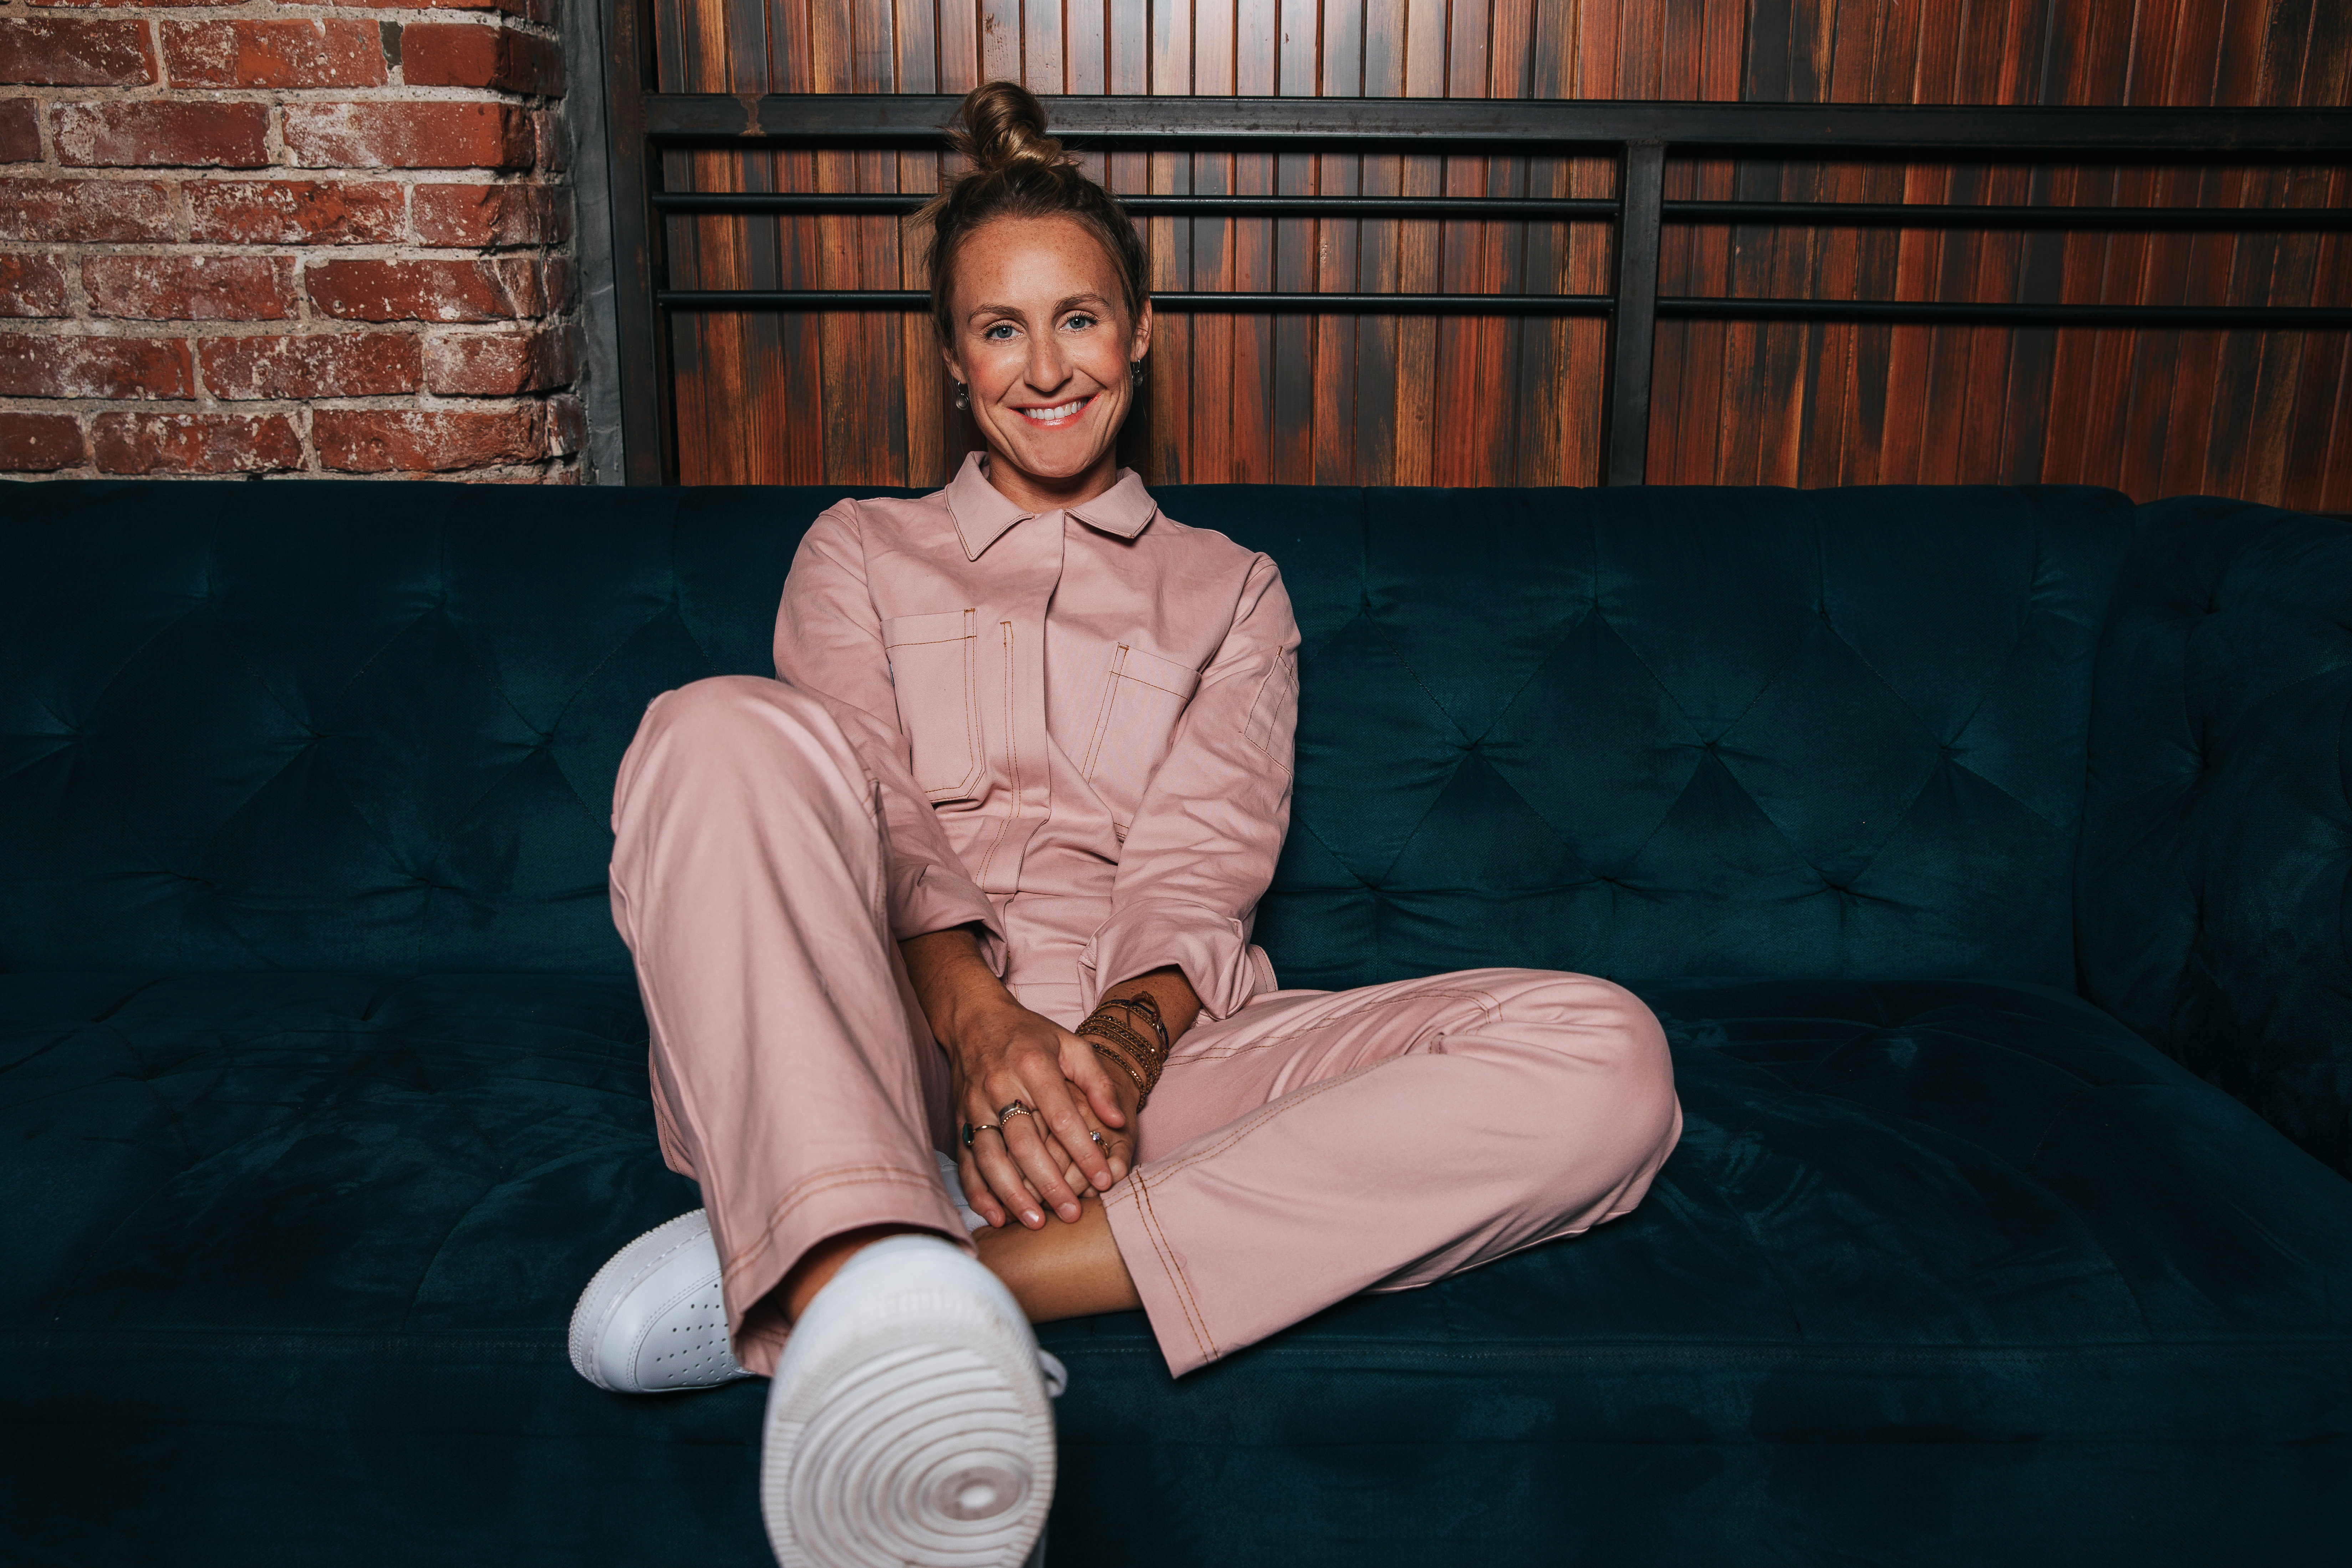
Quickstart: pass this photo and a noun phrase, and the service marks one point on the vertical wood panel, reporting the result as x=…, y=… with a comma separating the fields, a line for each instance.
x=1378, y=263
x=1420, y=258
x=1042, y=64
x=1339, y=73
x=861, y=399
x=1000, y=39
x=1469, y=441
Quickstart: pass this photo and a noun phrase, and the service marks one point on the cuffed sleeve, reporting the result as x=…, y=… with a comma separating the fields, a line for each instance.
x=829, y=645
x=1201, y=849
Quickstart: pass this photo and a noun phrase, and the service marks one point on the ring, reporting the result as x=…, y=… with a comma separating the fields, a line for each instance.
x=1018, y=1108
x=1096, y=1136
x=968, y=1129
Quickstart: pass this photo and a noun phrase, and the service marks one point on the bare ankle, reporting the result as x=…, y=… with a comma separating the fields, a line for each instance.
x=820, y=1263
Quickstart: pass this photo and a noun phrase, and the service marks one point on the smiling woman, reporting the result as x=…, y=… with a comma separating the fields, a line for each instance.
x=925, y=923
x=1038, y=295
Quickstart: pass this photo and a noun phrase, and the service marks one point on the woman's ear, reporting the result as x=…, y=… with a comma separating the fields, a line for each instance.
x=955, y=371
x=1142, y=344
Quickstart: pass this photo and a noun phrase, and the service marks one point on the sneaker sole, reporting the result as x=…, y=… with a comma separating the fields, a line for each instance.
x=920, y=1441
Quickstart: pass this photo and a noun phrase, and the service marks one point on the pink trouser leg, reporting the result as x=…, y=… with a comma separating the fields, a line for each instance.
x=792, y=1076
x=1320, y=1143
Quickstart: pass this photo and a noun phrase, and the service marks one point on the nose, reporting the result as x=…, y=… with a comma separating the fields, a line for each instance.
x=1048, y=369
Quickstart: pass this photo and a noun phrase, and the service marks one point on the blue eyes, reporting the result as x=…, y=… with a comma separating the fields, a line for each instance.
x=1003, y=331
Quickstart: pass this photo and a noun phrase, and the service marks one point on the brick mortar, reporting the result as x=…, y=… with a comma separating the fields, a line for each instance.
x=275, y=11
x=547, y=255
x=289, y=96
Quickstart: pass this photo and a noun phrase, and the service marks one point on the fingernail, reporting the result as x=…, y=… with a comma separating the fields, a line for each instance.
x=1069, y=1213
x=1032, y=1218
x=1102, y=1180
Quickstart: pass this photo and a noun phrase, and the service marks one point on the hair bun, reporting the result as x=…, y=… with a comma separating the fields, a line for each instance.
x=1019, y=172
x=1000, y=127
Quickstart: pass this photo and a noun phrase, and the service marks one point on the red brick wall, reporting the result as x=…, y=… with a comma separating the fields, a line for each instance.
x=251, y=237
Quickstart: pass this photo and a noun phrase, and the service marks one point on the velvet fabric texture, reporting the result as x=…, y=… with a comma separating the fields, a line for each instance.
x=2217, y=855
x=322, y=1075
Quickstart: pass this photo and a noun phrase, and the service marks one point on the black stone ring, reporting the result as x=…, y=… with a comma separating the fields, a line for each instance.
x=984, y=1127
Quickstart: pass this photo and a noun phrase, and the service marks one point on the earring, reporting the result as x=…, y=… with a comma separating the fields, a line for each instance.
x=963, y=395
x=1135, y=370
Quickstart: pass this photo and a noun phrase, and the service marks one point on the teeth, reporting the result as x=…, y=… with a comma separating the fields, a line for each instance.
x=1061, y=411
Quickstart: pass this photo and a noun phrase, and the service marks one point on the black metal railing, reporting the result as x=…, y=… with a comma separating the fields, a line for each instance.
x=1640, y=134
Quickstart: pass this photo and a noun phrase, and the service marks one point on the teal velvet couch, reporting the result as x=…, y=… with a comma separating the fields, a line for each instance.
x=1986, y=852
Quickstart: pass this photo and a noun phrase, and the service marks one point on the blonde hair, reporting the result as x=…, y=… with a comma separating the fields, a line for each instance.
x=1018, y=170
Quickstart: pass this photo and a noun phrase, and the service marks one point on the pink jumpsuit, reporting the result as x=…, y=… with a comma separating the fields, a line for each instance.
x=1074, y=730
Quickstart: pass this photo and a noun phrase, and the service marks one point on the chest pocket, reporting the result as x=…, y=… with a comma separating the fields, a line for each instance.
x=1143, y=696
x=935, y=668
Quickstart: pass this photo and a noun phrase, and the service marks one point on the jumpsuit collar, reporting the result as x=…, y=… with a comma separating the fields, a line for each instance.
x=982, y=513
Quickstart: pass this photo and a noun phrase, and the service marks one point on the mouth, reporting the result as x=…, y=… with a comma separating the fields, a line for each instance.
x=1059, y=414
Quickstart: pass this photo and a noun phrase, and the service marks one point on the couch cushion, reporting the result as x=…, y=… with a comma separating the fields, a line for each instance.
x=320, y=725
x=1663, y=731
x=2216, y=840
x=1641, y=733
x=1932, y=1259
x=292, y=1257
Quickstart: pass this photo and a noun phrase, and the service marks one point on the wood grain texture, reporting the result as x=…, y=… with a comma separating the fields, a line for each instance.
x=1483, y=401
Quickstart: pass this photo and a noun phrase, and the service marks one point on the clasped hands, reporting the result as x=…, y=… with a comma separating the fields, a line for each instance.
x=1076, y=1135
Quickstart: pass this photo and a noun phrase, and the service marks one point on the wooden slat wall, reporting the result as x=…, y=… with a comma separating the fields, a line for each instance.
x=779, y=398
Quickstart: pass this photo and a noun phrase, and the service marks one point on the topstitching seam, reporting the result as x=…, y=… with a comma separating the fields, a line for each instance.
x=809, y=1187
x=1202, y=1340
x=1362, y=1010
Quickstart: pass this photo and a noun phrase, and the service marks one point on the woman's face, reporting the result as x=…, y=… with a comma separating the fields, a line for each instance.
x=1042, y=342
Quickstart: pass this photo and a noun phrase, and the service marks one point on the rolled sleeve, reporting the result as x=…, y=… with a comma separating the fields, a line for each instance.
x=1202, y=850
x=829, y=643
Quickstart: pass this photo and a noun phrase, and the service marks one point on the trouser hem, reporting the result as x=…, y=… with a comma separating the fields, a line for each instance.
x=822, y=1205
x=1173, y=1308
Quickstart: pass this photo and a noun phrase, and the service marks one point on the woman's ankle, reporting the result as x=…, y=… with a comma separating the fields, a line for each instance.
x=820, y=1263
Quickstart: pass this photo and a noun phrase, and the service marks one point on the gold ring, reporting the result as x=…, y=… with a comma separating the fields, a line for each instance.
x=1018, y=1108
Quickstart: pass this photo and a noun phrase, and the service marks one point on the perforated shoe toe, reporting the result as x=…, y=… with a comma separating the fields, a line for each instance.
x=653, y=1321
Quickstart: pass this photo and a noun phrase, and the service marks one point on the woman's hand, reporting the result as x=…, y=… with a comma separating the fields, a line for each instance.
x=1000, y=1053
x=1042, y=1158
x=1117, y=1145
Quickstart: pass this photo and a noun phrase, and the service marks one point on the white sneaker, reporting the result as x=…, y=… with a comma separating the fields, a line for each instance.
x=910, y=1425
x=652, y=1320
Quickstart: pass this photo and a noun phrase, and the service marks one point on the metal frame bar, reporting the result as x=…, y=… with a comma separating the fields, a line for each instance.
x=1664, y=307
x=1634, y=323
x=1570, y=209
x=640, y=268
x=1237, y=301
x=646, y=122
x=911, y=120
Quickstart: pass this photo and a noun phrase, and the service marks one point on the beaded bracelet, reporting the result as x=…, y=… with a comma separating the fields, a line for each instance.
x=1136, y=1046
x=1143, y=1059
x=1124, y=1029
x=1142, y=1089
x=1149, y=1006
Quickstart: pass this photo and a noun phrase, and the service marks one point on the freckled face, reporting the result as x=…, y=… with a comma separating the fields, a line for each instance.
x=1042, y=342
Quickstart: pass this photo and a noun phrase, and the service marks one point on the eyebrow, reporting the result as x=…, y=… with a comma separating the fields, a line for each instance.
x=1086, y=298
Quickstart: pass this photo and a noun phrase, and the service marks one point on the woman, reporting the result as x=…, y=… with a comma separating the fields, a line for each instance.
x=975, y=874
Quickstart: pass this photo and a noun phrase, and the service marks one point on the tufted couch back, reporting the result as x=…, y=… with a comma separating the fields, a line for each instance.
x=334, y=726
